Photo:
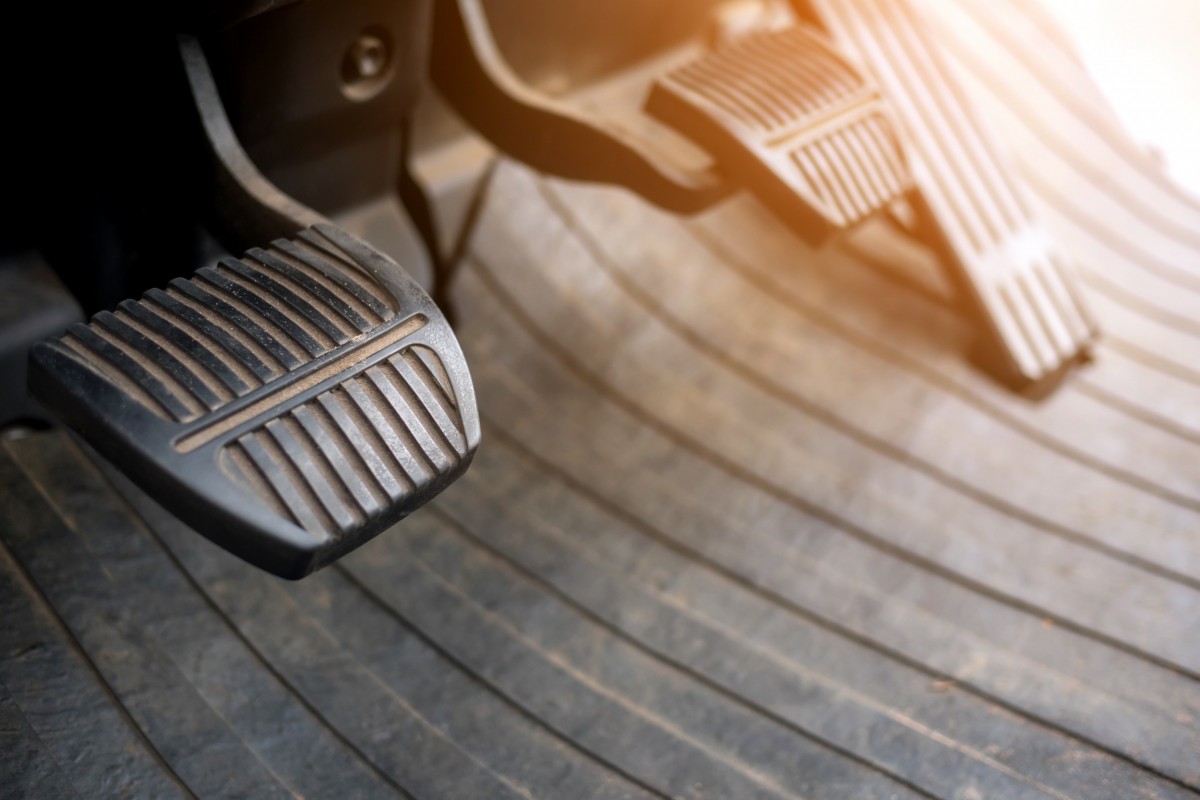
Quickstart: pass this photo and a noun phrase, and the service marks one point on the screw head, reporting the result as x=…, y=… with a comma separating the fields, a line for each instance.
x=367, y=65
x=369, y=55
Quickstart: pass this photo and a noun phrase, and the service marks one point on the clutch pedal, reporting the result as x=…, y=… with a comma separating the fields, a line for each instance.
x=289, y=404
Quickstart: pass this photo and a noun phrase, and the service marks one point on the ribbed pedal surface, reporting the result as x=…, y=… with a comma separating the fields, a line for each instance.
x=233, y=328
x=289, y=404
x=1020, y=280
x=786, y=115
x=338, y=461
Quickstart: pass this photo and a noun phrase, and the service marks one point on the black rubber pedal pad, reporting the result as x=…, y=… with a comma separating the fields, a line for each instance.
x=288, y=405
x=785, y=115
x=1022, y=284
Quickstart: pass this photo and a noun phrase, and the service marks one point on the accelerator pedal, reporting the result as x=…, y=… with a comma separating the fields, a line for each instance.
x=974, y=210
x=783, y=112
x=289, y=405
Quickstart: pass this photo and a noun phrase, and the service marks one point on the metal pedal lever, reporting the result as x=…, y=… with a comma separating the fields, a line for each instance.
x=555, y=137
x=973, y=208
x=289, y=404
x=786, y=115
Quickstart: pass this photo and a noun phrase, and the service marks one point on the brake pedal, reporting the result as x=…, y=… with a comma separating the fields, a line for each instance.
x=777, y=112
x=289, y=404
x=794, y=122
x=983, y=226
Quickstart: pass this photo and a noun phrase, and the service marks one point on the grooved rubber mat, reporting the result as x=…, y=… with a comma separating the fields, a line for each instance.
x=744, y=524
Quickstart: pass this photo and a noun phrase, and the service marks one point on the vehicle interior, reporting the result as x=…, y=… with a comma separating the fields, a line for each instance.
x=644, y=399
